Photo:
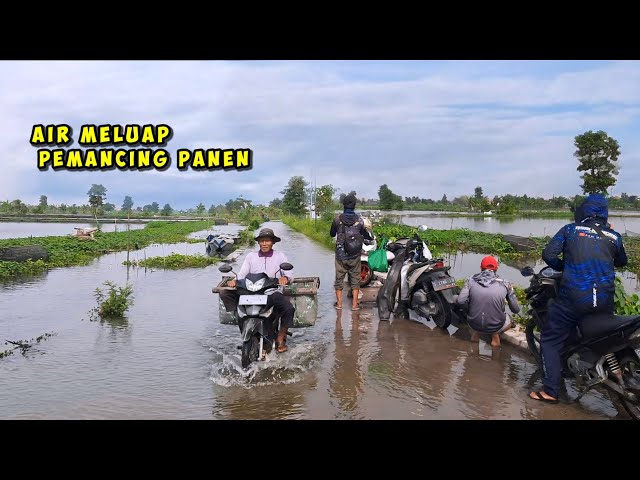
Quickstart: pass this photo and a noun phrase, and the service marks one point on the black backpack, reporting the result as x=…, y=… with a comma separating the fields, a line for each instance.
x=350, y=237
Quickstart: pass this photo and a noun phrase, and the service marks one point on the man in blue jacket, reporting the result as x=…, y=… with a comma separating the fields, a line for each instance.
x=591, y=250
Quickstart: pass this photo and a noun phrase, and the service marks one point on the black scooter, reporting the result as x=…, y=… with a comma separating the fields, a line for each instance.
x=255, y=313
x=604, y=349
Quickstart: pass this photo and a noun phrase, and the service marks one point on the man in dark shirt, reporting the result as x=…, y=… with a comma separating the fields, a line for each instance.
x=591, y=251
x=350, y=232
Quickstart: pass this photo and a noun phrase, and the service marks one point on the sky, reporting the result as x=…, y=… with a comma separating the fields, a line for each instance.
x=423, y=128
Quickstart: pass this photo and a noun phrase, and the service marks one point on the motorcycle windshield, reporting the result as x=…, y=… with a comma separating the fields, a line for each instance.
x=256, y=283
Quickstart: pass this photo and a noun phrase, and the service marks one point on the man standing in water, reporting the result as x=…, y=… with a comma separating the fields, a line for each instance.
x=350, y=232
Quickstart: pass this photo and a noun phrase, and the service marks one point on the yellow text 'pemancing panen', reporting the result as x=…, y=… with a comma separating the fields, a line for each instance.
x=103, y=159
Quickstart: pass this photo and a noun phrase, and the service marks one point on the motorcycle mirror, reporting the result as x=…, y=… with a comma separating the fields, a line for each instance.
x=225, y=268
x=286, y=266
x=527, y=271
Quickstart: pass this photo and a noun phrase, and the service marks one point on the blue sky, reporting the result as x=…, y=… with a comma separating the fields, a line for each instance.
x=425, y=128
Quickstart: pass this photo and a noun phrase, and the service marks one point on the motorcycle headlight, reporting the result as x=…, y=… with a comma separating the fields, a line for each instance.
x=254, y=287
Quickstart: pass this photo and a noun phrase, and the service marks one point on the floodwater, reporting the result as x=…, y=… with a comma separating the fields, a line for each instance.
x=171, y=358
x=536, y=227
x=45, y=229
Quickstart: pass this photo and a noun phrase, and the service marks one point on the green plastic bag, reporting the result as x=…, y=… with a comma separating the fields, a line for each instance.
x=377, y=259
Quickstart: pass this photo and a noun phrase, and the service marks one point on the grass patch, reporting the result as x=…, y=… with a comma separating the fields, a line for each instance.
x=175, y=261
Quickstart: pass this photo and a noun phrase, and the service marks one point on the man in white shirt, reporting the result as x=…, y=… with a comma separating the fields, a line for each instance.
x=268, y=261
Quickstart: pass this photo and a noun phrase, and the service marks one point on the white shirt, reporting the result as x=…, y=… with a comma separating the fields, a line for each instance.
x=255, y=263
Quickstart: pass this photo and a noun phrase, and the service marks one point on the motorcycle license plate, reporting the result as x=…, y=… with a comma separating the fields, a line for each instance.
x=443, y=283
x=253, y=299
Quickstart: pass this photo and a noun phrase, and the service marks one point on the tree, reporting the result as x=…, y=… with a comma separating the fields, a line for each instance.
x=167, y=210
x=127, y=205
x=109, y=207
x=324, y=199
x=97, y=196
x=200, y=208
x=293, y=201
x=478, y=195
x=388, y=199
x=598, y=156
x=444, y=200
x=275, y=203
x=43, y=202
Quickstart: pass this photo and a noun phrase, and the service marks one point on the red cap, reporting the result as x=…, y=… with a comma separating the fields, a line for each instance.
x=489, y=263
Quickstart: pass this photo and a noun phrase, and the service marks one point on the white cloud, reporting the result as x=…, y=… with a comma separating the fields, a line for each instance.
x=423, y=128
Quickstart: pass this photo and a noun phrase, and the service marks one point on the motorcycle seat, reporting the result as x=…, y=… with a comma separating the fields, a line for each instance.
x=598, y=324
x=416, y=266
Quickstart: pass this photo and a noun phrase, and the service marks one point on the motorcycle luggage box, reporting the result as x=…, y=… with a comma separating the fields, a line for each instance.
x=226, y=318
x=303, y=294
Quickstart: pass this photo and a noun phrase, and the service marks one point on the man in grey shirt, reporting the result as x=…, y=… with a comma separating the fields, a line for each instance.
x=485, y=293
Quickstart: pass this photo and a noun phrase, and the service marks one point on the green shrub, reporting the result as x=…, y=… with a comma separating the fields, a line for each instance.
x=115, y=301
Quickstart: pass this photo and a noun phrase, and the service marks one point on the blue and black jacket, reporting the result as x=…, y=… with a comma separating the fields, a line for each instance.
x=590, y=252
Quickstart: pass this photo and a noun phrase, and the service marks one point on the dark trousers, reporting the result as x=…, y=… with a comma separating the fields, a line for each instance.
x=559, y=330
x=282, y=306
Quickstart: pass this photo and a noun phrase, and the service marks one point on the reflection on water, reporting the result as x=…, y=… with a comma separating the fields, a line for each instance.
x=172, y=358
x=45, y=229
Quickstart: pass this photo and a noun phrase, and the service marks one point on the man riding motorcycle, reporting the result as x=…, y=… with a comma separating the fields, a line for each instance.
x=268, y=261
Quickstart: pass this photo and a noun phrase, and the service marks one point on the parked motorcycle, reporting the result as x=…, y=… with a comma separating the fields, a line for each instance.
x=255, y=313
x=431, y=287
x=604, y=350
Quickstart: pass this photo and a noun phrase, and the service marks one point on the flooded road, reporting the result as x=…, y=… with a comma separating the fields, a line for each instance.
x=171, y=358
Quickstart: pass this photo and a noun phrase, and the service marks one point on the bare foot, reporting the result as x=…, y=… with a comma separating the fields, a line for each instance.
x=495, y=340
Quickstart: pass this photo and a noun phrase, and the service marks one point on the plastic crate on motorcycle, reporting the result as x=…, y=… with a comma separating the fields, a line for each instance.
x=226, y=318
x=302, y=293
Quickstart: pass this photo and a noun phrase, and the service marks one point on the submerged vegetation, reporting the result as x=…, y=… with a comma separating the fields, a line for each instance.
x=24, y=345
x=65, y=251
x=113, y=302
x=174, y=261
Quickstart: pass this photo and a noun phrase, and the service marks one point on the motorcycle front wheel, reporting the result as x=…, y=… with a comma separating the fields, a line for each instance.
x=250, y=351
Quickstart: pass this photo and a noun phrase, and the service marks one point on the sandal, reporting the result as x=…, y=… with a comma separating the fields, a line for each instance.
x=338, y=307
x=356, y=308
x=538, y=396
x=281, y=347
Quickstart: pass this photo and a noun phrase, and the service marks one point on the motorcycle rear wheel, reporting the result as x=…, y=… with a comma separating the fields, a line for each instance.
x=366, y=274
x=630, y=367
x=250, y=351
x=533, y=341
x=443, y=316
